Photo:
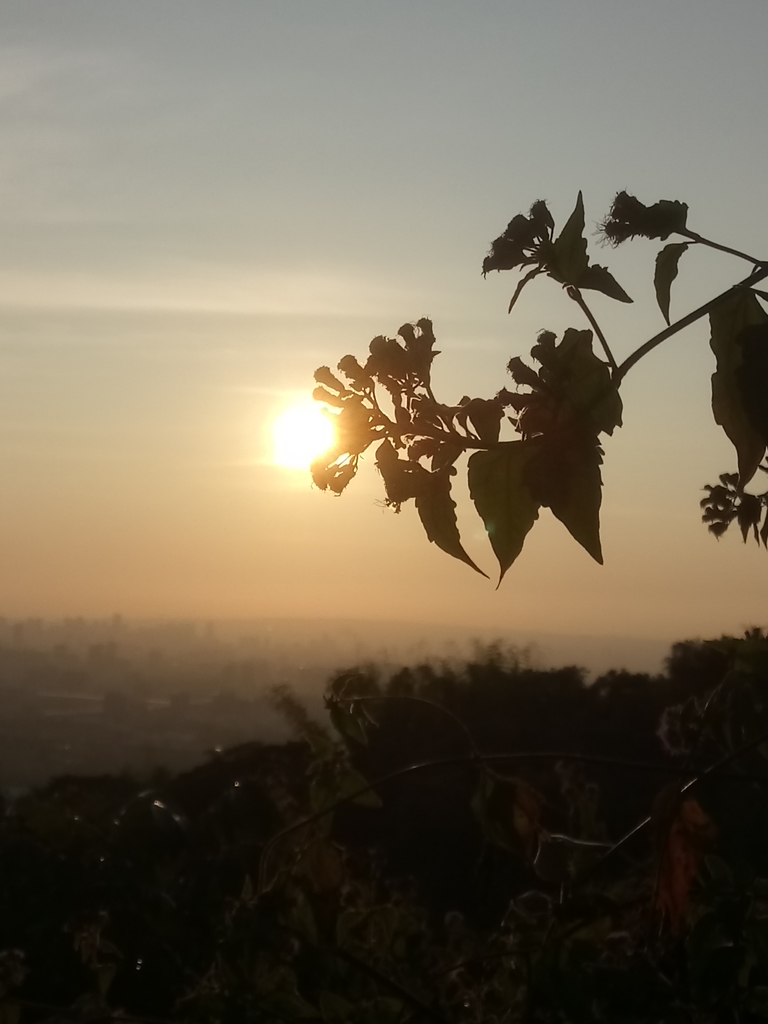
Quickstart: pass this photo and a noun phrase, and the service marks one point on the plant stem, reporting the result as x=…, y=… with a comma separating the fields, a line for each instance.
x=696, y=237
x=712, y=770
x=578, y=298
x=479, y=759
x=758, y=274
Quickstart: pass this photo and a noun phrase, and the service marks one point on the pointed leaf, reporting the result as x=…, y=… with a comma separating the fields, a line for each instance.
x=570, y=248
x=346, y=721
x=565, y=477
x=682, y=834
x=752, y=376
x=521, y=284
x=437, y=511
x=509, y=813
x=503, y=499
x=599, y=279
x=666, y=272
x=727, y=321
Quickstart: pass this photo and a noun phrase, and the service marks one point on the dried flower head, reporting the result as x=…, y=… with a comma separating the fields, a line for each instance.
x=629, y=218
x=519, y=243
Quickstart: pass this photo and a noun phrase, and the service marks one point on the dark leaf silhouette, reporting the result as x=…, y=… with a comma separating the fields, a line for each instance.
x=599, y=279
x=502, y=497
x=727, y=321
x=752, y=376
x=437, y=512
x=666, y=272
x=565, y=477
x=569, y=249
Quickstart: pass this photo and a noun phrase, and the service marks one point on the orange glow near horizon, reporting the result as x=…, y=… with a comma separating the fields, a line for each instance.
x=300, y=435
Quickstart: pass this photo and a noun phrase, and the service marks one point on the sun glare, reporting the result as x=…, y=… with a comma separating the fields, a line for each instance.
x=300, y=435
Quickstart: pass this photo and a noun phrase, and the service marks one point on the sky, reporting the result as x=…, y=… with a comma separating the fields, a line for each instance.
x=201, y=203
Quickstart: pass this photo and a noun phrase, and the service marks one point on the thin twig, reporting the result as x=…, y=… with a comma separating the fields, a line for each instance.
x=712, y=770
x=696, y=237
x=621, y=371
x=578, y=298
x=472, y=760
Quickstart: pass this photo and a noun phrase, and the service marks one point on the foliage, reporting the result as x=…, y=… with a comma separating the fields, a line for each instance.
x=540, y=444
x=406, y=863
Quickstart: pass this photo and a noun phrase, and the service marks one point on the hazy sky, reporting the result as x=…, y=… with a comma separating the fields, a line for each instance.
x=202, y=202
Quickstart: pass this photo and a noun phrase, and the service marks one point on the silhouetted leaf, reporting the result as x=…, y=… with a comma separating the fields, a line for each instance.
x=437, y=512
x=324, y=395
x=599, y=279
x=403, y=479
x=324, y=376
x=509, y=812
x=752, y=376
x=727, y=321
x=485, y=416
x=445, y=456
x=347, y=722
x=523, y=374
x=681, y=832
x=666, y=272
x=521, y=284
x=586, y=381
x=498, y=487
x=570, y=248
x=748, y=516
x=565, y=477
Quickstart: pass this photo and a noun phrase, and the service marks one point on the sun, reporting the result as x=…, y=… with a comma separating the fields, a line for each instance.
x=301, y=434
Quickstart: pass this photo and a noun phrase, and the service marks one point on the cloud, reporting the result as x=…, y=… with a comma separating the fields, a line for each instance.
x=198, y=288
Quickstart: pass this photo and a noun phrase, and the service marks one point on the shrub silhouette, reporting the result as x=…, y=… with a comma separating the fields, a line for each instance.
x=461, y=842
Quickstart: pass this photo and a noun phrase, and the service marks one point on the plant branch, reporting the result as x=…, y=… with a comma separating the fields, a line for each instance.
x=759, y=274
x=472, y=759
x=712, y=770
x=578, y=298
x=696, y=237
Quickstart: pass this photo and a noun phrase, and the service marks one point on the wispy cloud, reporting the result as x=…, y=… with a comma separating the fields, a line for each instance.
x=213, y=289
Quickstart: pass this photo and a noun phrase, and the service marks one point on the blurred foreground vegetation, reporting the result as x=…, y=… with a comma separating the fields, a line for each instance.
x=479, y=842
